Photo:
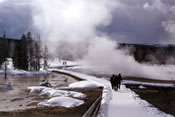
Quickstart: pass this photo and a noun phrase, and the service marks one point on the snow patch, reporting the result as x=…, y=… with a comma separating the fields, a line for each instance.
x=36, y=89
x=142, y=87
x=55, y=93
x=62, y=101
x=83, y=84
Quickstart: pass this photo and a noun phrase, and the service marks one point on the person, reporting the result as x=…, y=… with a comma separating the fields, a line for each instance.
x=116, y=82
x=119, y=80
x=112, y=81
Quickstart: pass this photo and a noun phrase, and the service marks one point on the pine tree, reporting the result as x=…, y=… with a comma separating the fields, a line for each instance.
x=16, y=55
x=24, y=53
x=37, y=51
x=30, y=51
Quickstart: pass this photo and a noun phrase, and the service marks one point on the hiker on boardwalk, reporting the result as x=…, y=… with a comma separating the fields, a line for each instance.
x=119, y=77
x=116, y=81
x=112, y=80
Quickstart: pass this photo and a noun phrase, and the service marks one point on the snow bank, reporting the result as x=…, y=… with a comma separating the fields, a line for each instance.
x=45, y=91
x=62, y=101
x=59, y=97
x=83, y=84
x=55, y=93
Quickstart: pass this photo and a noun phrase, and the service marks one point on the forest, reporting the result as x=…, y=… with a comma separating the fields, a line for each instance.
x=27, y=53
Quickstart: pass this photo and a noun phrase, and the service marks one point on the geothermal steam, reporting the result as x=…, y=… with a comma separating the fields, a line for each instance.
x=69, y=25
x=71, y=29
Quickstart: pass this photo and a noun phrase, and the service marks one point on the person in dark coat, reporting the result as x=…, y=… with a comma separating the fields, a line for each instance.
x=116, y=81
x=112, y=81
x=119, y=80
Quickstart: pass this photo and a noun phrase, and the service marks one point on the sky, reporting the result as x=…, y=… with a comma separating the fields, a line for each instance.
x=136, y=21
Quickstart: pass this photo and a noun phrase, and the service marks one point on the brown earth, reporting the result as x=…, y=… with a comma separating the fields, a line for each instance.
x=92, y=95
x=164, y=100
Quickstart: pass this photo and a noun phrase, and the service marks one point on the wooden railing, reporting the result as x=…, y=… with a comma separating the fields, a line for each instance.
x=94, y=108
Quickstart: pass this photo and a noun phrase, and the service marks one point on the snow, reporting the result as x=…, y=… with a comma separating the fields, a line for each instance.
x=83, y=84
x=45, y=91
x=36, y=89
x=124, y=103
x=59, y=63
x=62, y=101
x=141, y=87
x=58, y=97
x=9, y=63
x=125, y=82
x=55, y=93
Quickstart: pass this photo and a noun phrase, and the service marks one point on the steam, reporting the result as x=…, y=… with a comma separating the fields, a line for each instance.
x=71, y=22
x=71, y=28
x=104, y=55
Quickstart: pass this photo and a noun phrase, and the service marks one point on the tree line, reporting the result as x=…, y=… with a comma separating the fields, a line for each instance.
x=29, y=53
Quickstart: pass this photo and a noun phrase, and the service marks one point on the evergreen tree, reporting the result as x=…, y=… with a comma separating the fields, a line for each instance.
x=37, y=51
x=16, y=57
x=23, y=53
x=27, y=54
x=4, y=48
x=30, y=51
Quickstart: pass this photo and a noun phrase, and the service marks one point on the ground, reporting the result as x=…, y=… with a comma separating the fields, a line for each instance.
x=162, y=99
x=92, y=95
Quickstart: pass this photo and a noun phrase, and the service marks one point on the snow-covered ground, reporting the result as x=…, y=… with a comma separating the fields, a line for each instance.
x=58, y=97
x=60, y=63
x=62, y=101
x=16, y=72
x=124, y=103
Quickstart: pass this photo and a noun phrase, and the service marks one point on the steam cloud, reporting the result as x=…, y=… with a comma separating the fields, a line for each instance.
x=70, y=25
